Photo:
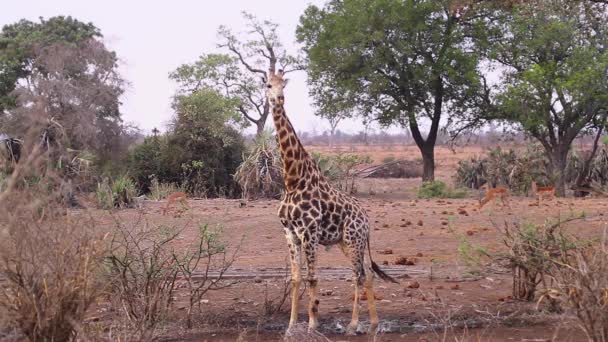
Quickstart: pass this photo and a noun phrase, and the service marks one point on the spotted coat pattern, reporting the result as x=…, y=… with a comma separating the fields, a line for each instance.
x=314, y=213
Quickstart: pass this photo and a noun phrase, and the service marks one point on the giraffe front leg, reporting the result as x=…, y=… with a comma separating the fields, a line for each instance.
x=296, y=279
x=313, y=300
x=351, y=329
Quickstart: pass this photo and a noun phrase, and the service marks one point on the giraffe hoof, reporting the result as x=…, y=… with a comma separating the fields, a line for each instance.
x=373, y=327
x=351, y=329
x=312, y=327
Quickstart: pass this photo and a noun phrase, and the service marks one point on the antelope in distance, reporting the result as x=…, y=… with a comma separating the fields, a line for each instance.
x=492, y=194
x=180, y=197
x=543, y=191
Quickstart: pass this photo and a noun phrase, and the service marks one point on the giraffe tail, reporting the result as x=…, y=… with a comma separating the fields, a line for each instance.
x=377, y=269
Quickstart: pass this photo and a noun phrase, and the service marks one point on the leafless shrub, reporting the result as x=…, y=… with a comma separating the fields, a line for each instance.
x=580, y=281
x=394, y=169
x=142, y=273
x=49, y=258
x=204, y=255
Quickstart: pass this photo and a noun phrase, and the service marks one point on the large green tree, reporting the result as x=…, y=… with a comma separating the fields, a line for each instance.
x=201, y=149
x=554, y=84
x=396, y=61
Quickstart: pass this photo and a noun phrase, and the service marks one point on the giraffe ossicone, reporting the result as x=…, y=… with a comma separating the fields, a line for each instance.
x=314, y=213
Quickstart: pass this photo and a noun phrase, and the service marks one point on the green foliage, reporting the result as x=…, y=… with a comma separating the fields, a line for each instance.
x=553, y=91
x=471, y=254
x=340, y=169
x=388, y=159
x=103, y=195
x=470, y=173
x=192, y=158
x=120, y=193
x=261, y=173
x=123, y=192
x=392, y=61
x=19, y=41
x=531, y=253
x=438, y=189
x=159, y=190
x=240, y=71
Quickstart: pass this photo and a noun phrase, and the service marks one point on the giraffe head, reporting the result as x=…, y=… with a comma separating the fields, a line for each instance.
x=274, y=87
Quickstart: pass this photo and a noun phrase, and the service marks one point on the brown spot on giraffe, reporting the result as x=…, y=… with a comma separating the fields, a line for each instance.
x=313, y=213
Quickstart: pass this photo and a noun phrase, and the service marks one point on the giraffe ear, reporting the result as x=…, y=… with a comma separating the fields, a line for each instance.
x=285, y=81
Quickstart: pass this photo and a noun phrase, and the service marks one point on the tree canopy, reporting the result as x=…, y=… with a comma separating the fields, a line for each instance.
x=554, y=86
x=397, y=62
x=20, y=42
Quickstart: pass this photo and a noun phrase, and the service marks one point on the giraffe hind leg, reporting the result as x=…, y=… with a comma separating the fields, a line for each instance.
x=371, y=301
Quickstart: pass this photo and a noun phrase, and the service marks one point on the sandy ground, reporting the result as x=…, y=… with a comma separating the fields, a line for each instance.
x=438, y=287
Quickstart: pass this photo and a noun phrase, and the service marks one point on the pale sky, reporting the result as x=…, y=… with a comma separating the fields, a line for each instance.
x=152, y=38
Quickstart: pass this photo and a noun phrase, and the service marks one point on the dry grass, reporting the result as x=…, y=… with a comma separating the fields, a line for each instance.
x=49, y=261
x=580, y=284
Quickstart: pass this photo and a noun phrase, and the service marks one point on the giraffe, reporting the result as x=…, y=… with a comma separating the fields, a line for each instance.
x=314, y=213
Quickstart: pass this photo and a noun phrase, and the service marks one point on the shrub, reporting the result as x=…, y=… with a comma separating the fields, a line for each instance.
x=470, y=173
x=142, y=275
x=200, y=162
x=144, y=266
x=120, y=193
x=261, y=173
x=438, y=189
x=49, y=260
x=531, y=251
x=123, y=192
x=205, y=253
x=388, y=159
x=580, y=284
x=159, y=191
x=340, y=169
x=103, y=195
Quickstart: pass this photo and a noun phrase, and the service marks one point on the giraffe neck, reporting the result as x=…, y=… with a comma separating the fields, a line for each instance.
x=298, y=167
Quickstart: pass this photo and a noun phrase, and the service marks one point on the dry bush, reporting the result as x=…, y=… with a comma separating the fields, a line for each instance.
x=160, y=190
x=580, y=284
x=49, y=258
x=145, y=265
x=515, y=170
x=394, y=169
x=142, y=273
x=532, y=249
x=261, y=173
x=274, y=304
x=341, y=169
x=206, y=253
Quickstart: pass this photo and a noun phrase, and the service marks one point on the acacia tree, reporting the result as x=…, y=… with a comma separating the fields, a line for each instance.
x=330, y=106
x=405, y=62
x=240, y=72
x=555, y=82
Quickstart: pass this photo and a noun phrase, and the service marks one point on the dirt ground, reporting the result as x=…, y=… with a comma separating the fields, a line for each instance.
x=438, y=290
